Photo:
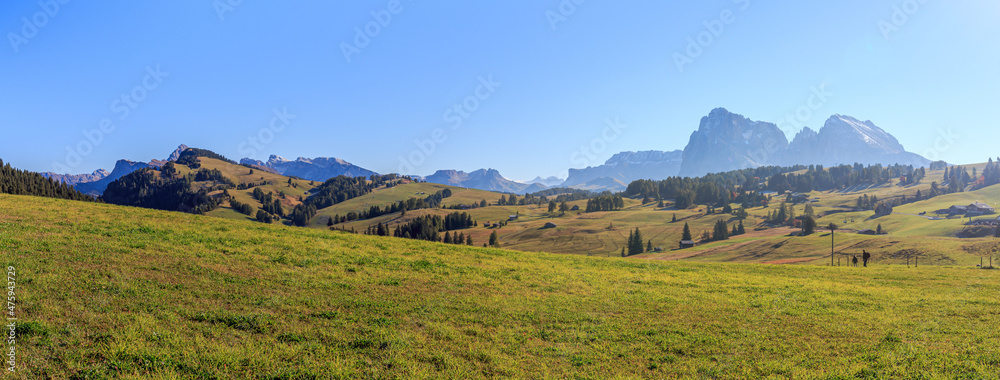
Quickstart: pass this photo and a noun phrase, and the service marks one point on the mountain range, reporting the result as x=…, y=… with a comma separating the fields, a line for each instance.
x=724, y=141
x=313, y=169
x=483, y=179
x=95, y=183
x=625, y=167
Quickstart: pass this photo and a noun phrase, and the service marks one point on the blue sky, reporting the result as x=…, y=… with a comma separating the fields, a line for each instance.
x=214, y=75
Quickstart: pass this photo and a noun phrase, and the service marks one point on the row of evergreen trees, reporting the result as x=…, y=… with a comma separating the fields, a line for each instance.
x=431, y=201
x=21, y=182
x=745, y=186
x=269, y=203
x=341, y=188
x=990, y=177
x=243, y=208
x=605, y=203
x=144, y=188
x=189, y=157
x=428, y=227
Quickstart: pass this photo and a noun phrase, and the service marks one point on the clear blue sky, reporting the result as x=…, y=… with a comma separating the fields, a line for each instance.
x=224, y=76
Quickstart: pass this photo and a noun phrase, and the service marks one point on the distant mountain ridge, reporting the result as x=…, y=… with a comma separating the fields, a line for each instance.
x=313, y=169
x=73, y=179
x=483, y=179
x=95, y=183
x=122, y=168
x=726, y=141
x=846, y=140
x=626, y=167
x=549, y=182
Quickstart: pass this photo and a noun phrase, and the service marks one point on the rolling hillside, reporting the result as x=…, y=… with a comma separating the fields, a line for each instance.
x=605, y=233
x=910, y=236
x=107, y=291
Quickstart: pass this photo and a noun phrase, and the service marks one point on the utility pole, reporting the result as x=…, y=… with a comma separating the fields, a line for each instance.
x=833, y=228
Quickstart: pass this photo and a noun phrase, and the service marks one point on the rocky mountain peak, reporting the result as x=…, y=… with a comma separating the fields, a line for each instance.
x=727, y=141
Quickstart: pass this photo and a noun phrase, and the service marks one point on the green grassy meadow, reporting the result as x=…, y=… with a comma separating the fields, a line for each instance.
x=118, y=292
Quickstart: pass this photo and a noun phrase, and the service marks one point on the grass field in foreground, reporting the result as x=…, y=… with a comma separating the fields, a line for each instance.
x=107, y=291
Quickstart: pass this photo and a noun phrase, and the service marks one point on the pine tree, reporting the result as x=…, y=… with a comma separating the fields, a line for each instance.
x=721, y=231
x=552, y=206
x=878, y=230
x=808, y=226
x=494, y=239
x=649, y=246
x=687, y=233
x=623, y=251
x=673, y=219
x=740, y=229
x=563, y=207
x=468, y=240
x=635, y=243
x=631, y=240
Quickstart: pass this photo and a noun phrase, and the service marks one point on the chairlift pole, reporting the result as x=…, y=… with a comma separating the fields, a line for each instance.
x=831, y=246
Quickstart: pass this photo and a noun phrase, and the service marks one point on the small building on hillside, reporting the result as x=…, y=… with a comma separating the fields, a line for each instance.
x=957, y=210
x=513, y=218
x=867, y=232
x=974, y=209
x=980, y=208
x=575, y=208
x=550, y=225
x=687, y=244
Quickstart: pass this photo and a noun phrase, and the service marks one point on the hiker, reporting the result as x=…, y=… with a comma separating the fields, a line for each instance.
x=854, y=260
x=865, y=256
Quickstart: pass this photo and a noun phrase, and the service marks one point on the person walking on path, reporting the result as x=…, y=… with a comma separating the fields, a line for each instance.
x=865, y=256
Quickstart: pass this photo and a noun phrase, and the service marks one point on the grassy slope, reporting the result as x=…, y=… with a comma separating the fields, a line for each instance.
x=588, y=233
x=116, y=291
x=386, y=197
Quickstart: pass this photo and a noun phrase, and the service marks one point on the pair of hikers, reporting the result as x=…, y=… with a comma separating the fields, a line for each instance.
x=864, y=256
